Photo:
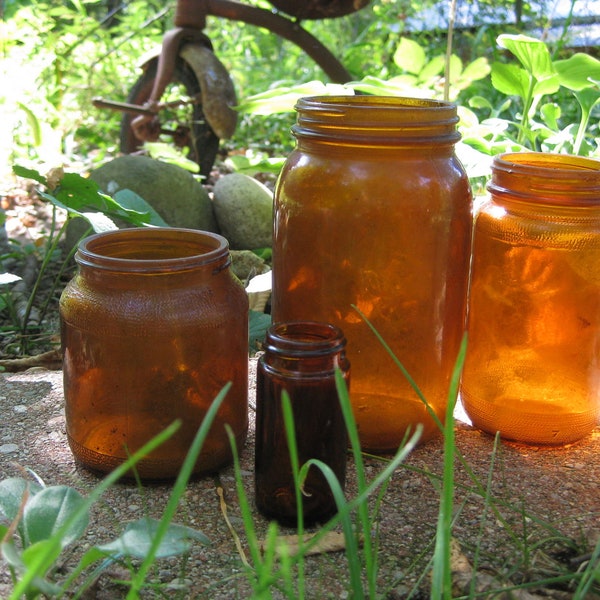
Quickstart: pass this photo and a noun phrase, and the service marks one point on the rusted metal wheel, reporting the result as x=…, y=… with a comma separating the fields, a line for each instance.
x=318, y=9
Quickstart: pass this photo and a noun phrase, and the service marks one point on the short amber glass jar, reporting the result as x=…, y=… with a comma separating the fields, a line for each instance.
x=300, y=358
x=373, y=209
x=154, y=324
x=532, y=369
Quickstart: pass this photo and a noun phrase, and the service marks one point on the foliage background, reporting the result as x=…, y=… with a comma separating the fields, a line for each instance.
x=55, y=57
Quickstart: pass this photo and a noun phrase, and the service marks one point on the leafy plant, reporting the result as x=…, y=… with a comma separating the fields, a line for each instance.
x=78, y=197
x=537, y=125
x=47, y=520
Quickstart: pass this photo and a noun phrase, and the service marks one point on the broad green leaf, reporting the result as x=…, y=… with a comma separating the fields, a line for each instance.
x=409, y=56
x=137, y=539
x=578, y=72
x=511, y=80
x=133, y=202
x=478, y=69
x=433, y=69
x=532, y=53
x=99, y=221
x=550, y=85
x=49, y=511
x=29, y=174
x=12, y=492
x=588, y=98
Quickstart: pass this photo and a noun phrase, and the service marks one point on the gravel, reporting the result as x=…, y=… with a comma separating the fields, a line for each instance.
x=538, y=493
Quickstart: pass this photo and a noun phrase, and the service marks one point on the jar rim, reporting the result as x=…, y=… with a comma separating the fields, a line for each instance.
x=305, y=338
x=376, y=120
x=549, y=178
x=547, y=161
x=144, y=249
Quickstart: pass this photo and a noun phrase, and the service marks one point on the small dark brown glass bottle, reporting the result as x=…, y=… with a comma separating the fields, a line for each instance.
x=300, y=358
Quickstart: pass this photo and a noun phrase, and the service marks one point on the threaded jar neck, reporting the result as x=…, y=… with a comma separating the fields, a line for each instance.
x=304, y=339
x=376, y=120
x=551, y=179
x=153, y=251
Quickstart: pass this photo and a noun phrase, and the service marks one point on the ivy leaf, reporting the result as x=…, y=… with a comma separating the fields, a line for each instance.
x=136, y=540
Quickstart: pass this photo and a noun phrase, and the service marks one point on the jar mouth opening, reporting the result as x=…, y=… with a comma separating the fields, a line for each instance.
x=557, y=164
x=152, y=250
x=305, y=338
x=337, y=103
x=548, y=178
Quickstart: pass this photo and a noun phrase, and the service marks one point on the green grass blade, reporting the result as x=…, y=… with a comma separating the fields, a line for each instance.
x=441, y=585
x=178, y=491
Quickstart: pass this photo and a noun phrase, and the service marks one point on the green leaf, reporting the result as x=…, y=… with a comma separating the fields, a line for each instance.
x=258, y=323
x=588, y=98
x=29, y=174
x=283, y=99
x=12, y=492
x=532, y=53
x=478, y=69
x=137, y=540
x=171, y=155
x=44, y=548
x=33, y=122
x=99, y=221
x=511, y=80
x=409, y=56
x=47, y=513
x=434, y=68
x=133, y=202
x=550, y=114
x=578, y=72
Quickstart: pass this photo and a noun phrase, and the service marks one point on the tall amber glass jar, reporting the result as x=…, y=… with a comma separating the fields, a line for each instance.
x=154, y=324
x=373, y=209
x=532, y=368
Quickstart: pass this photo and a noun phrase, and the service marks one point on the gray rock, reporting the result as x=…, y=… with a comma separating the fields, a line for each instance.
x=172, y=191
x=244, y=211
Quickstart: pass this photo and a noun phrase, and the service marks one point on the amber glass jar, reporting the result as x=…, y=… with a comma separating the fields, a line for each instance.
x=154, y=324
x=300, y=358
x=373, y=209
x=532, y=368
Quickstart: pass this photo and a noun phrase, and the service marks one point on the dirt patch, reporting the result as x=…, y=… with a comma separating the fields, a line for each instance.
x=541, y=522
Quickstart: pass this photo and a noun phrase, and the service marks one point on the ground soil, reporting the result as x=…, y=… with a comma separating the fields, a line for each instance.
x=541, y=521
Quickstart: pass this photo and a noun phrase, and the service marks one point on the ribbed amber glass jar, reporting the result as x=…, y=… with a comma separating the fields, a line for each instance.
x=154, y=324
x=373, y=209
x=532, y=368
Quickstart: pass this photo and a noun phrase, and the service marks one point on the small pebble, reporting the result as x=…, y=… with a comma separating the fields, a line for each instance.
x=20, y=408
x=8, y=448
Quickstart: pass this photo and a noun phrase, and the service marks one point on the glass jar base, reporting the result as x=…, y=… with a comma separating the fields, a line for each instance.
x=150, y=468
x=545, y=427
x=384, y=421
